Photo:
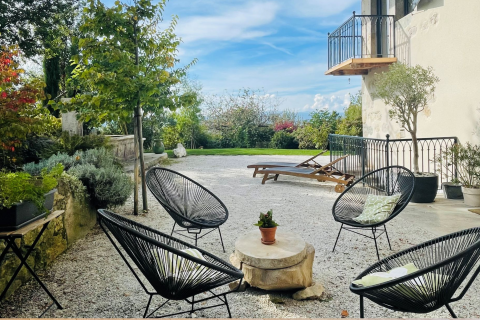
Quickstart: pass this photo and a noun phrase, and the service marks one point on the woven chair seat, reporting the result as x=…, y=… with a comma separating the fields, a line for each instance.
x=444, y=264
x=153, y=253
x=388, y=181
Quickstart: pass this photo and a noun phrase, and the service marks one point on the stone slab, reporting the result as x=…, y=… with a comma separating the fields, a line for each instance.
x=298, y=276
x=151, y=159
x=288, y=250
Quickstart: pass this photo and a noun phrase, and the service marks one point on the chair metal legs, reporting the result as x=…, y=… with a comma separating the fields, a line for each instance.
x=376, y=233
x=451, y=311
x=338, y=236
x=196, y=232
x=376, y=246
x=222, y=297
x=219, y=232
x=388, y=239
x=362, y=315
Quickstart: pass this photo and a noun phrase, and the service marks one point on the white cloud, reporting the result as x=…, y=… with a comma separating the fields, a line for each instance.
x=234, y=24
x=336, y=102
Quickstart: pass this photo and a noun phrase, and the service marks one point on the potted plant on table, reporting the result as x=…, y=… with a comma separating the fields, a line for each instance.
x=24, y=198
x=407, y=90
x=466, y=159
x=267, y=227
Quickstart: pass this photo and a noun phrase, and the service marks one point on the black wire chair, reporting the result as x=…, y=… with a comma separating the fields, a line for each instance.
x=444, y=265
x=393, y=180
x=191, y=205
x=173, y=274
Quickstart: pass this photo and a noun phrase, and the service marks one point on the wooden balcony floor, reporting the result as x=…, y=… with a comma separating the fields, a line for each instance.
x=359, y=66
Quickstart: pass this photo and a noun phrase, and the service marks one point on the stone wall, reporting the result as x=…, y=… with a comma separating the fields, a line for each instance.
x=79, y=218
x=123, y=146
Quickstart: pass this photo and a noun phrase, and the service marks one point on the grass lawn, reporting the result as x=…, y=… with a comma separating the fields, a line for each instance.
x=248, y=152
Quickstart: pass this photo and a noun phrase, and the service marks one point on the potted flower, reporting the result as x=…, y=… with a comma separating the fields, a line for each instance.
x=24, y=198
x=466, y=159
x=267, y=227
x=407, y=90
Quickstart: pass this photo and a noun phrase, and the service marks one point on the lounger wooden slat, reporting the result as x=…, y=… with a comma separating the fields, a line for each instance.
x=304, y=164
x=325, y=173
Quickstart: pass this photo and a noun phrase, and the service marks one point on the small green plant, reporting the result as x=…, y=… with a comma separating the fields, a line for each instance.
x=266, y=221
x=466, y=158
x=16, y=187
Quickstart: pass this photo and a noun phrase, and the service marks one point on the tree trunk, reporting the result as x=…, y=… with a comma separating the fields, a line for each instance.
x=135, y=169
x=142, y=161
x=138, y=122
x=415, y=152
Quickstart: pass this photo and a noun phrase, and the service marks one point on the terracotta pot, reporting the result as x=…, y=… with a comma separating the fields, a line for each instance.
x=268, y=235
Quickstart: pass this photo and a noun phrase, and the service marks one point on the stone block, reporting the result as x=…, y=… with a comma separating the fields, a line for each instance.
x=180, y=151
x=316, y=292
x=298, y=276
x=234, y=286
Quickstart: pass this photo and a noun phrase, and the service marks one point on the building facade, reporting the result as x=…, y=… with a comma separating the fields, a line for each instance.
x=442, y=34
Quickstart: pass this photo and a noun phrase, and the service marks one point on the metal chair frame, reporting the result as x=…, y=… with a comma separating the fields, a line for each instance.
x=469, y=260
x=189, y=225
x=105, y=215
x=367, y=183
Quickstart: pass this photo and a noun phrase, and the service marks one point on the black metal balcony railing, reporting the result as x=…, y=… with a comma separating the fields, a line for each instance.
x=367, y=154
x=362, y=36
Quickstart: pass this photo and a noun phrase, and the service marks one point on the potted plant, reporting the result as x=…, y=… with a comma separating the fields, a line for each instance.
x=466, y=159
x=267, y=227
x=158, y=147
x=407, y=90
x=452, y=189
x=24, y=198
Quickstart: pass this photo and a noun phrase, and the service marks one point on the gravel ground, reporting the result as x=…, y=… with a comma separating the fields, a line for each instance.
x=90, y=280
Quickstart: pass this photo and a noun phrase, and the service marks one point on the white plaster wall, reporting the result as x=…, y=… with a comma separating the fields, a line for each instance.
x=443, y=34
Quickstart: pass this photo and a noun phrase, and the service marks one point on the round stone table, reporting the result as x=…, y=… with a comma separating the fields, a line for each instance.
x=284, y=265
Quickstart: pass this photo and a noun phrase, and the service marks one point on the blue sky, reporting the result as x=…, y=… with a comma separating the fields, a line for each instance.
x=277, y=45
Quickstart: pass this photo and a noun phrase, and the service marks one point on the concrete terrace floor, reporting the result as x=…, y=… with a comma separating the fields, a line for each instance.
x=91, y=280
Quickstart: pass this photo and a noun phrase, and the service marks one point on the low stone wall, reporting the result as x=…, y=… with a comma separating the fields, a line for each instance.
x=62, y=232
x=123, y=146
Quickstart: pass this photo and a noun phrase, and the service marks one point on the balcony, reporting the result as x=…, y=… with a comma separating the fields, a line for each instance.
x=361, y=43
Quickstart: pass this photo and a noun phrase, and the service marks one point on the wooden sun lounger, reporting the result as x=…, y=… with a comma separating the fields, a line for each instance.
x=325, y=173
x=309, y=163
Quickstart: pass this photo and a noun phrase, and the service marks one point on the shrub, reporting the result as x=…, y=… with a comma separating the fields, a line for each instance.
x=283, y=140
x=309, y=137
x=286, y=125
x=98, y=170
x=61, y=158
x=72, y=143
x=107, y=186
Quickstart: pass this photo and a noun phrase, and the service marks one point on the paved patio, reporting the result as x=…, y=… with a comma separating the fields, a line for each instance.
x=91, y=280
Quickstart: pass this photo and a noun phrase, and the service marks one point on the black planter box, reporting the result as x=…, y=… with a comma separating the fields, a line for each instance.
x=452, y=190
x=23, y=213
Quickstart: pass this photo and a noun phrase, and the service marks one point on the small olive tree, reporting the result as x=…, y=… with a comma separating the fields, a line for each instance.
x=407, y=90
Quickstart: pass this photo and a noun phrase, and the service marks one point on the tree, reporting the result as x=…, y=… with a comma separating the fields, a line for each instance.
x=351, y=123
x=126, y=64
x=26, y=22
x=244, y=119
x=20, y=115
x=407, y=90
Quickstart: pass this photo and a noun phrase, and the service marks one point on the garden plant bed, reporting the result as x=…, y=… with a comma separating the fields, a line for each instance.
x=91, y=280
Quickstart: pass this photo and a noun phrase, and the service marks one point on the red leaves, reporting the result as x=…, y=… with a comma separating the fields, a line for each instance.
x=288, y=126
x=18, y=97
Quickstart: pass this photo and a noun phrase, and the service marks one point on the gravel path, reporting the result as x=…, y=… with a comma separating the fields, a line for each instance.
x=90, y=280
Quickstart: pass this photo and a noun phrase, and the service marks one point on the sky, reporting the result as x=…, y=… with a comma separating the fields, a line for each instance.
x=279, y=46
